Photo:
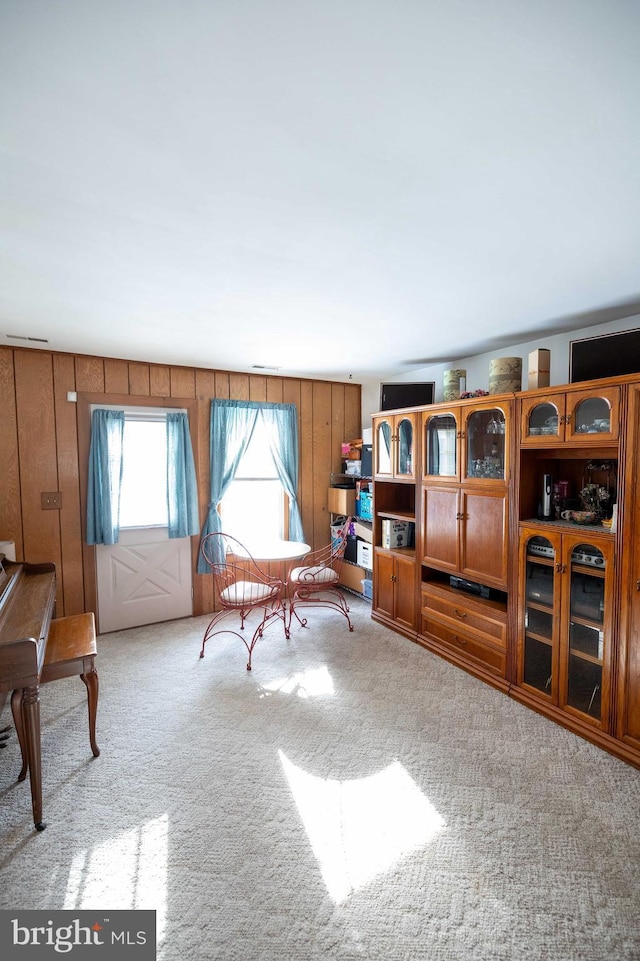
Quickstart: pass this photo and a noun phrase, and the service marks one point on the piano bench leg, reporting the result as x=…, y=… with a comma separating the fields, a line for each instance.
x=16, y=710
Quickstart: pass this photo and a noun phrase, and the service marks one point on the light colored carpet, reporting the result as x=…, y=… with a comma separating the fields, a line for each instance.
x=353, y=797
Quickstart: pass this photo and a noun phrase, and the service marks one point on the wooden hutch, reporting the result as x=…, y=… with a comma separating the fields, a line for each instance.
x=523, y=595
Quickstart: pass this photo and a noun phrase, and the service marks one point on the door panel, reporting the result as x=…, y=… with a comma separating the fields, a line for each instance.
x=405, y=592
x=485, y=537
x=440, y=523
x=383, y=584
x=144, y=579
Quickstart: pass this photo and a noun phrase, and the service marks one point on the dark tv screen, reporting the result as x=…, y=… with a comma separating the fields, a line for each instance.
x=610, y=355
x=397, y=395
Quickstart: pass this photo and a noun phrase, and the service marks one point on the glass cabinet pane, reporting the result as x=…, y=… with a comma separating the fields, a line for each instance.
x=586, y=629
x=592, y=416
x=441, y=436
x=485, y=433
x=544, y=420
x=538, y=636
x=383, y=465
x=405, y=446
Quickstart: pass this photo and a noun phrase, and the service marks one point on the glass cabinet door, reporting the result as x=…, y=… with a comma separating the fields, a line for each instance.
x=441, y=437
x=485, y=444
x=544, y=420
x=383, y=447
x=538, y=649
x=594, y=415
x=404, y=433
x=586, y=630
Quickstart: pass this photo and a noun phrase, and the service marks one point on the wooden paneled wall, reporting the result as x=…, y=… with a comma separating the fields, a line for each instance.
x=44, y=446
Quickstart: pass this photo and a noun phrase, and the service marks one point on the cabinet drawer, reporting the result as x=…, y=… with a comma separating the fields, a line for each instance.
x=466, y=616
x=465, y=645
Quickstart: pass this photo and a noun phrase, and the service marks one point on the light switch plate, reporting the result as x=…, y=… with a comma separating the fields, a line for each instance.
x=51, y=501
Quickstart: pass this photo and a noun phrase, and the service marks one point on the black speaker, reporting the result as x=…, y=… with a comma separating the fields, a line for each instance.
x=366, y=465
x=547, y=490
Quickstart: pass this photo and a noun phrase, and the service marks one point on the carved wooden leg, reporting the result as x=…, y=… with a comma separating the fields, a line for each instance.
x=31, y=721
x=16, y=710
x=91, y=681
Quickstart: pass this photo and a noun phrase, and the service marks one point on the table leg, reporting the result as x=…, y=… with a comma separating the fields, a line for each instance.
x=31, y=723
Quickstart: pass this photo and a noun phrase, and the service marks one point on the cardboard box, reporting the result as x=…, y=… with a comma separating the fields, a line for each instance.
x=351, y=576
x=363, y=531
x=395, y=534
x=342, y=500
x=539, y=368
x=365, y=555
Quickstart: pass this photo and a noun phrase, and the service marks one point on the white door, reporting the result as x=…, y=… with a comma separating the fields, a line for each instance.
x=143, y=579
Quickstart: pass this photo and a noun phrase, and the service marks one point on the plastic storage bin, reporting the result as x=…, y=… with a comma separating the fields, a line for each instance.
x=364, y=506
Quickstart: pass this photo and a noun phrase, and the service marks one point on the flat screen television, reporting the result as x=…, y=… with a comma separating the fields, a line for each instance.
x=609, y=355
x=397, y=395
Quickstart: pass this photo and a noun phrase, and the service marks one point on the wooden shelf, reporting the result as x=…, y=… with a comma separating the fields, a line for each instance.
x=398, y=515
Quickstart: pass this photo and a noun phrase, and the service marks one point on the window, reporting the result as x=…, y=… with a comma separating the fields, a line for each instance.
x=253, y=508
x=143, y=495
x=141, y=473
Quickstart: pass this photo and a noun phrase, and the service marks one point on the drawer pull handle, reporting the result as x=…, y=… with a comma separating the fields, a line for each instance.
x=459, y=640
x=459, y=613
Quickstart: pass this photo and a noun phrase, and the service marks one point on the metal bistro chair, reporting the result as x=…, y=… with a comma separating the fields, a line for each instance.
x=316, y=583
x=241, y=587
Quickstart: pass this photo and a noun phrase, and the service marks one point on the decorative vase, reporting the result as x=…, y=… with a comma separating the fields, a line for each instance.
x=455, y=382
x=505, y=375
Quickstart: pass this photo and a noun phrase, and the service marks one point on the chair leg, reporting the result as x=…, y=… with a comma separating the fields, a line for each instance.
x=91, y=683
x=16, y=710
x=323, y=598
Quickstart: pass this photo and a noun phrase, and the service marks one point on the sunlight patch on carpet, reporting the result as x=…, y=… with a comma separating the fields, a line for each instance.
x=315, y=683
x=126, y=871
x=362, y=827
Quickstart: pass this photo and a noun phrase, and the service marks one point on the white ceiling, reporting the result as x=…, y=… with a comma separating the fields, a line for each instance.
x=330, y=187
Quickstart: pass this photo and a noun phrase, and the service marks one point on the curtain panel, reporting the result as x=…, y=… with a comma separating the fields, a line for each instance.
x=182, y=489
x=232, y=425
x=105, y=476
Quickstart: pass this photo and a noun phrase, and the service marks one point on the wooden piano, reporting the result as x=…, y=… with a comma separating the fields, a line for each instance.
x=27, y=598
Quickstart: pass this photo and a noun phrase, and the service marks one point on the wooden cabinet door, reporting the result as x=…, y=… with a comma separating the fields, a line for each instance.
x=484, y=536
x=628, y=687
x=404, y=433
x=394, y=439
x=628, y=727
x=383, y=592
x=593, y=416
x=539, y=607
x=395, y=588
x=440, y=435
x=484, y=451
x=405, y=592
x=383, y=447
x=586, y=627
x=440, y=527
x=542, y=420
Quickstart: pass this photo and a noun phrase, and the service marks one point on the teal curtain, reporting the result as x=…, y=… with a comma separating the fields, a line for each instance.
x=281, y=421
x=105, y=476
x=182, y=491
x=232, y=426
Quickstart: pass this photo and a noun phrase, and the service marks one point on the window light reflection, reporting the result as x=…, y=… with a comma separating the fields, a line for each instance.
x=125, y=872
x=359, y=828
x=316, y=683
